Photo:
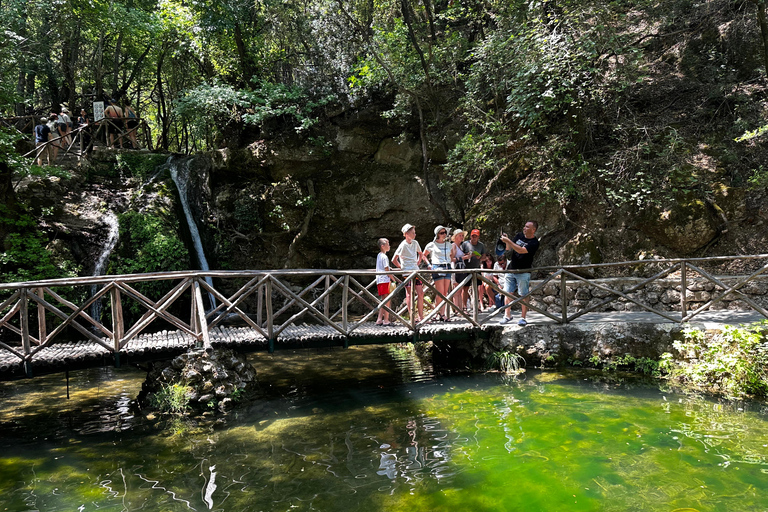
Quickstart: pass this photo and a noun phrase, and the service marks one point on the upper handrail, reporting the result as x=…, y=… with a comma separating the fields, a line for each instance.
x=180, y=274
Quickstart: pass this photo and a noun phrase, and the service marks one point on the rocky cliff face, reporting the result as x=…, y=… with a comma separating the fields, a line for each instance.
x=323, y=202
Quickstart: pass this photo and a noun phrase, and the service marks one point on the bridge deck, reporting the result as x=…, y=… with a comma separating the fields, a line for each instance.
x=63, y=356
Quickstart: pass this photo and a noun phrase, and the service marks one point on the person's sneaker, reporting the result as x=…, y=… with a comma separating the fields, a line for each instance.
x=522, y=322
x=506, y=320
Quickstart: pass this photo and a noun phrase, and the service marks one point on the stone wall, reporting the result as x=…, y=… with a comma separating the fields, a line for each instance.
x=662, y=294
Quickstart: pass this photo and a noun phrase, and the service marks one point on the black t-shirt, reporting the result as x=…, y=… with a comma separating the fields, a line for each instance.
x=468, y=248
x=520, y=261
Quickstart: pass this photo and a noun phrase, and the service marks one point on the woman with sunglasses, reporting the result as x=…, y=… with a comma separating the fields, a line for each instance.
x=439, y=251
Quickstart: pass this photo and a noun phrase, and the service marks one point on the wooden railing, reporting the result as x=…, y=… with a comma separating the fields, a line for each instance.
x=86, y=136
x=36, y=314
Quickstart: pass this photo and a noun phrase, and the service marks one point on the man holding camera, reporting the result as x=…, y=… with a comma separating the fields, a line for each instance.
x=520, y=250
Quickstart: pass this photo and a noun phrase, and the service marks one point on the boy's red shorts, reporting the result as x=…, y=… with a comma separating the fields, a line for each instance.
x=383, y=289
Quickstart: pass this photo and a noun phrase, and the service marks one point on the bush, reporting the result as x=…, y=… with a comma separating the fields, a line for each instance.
x=733, y=362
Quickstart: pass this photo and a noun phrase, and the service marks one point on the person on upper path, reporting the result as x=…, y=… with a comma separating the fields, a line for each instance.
x=113, y=122
x=520, y=250
x=407, y=257
x=131, y=123
x=42, y=135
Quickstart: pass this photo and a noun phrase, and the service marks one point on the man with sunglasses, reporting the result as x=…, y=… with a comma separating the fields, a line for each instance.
x=520, y=253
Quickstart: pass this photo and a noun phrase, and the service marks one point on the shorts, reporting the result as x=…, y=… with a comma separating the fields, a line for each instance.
x=111, y=127
x=519, y=282
x=416, y=281
x=383, y=289
x=131, y=123
x=439, y=276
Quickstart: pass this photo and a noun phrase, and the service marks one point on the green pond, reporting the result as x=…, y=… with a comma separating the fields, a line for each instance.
x=373, y=429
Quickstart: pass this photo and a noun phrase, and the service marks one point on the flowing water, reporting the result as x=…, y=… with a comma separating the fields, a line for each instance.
x=110, y=219
x=372, y=429
x=179, y=168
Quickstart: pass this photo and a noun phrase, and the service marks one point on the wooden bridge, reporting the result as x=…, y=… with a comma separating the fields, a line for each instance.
x=52, y=326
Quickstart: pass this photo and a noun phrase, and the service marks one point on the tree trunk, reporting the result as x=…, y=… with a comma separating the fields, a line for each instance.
x=763, y=30
x=162, y=112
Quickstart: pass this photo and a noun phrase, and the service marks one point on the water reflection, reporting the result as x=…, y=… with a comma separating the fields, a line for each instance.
x=372, y=429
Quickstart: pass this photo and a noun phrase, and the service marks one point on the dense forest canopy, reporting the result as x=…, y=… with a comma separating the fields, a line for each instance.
x=612, y=97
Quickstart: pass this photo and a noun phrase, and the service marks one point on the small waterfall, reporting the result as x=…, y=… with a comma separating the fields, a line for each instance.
x=110, y=219
x=180, y=174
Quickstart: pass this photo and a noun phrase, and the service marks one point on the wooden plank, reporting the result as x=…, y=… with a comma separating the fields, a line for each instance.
x=683, y=290
x=41, y=328
x=24, y=321
x=344, y=301
x=82, y=308
x=118, y=323
x=204, y=336
x=67, y=320
x=625, y=296
x=520, y=299
x=608, y=300
x=287, y=292
x=240, y=295
x=4, y=322
x=270, y=319
x=156, y=310
x=230, y=307
x=732, y=289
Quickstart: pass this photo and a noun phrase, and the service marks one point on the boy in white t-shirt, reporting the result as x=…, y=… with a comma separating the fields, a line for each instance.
x=407, y=257
x=383, y=280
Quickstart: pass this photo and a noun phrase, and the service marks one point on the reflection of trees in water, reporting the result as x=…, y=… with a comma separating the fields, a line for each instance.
x=727, y=429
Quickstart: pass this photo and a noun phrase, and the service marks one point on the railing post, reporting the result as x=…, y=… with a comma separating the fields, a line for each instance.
x=270, y=320
x=564, y=298
x=41, y=328
x=683, y=290
x=327, y=300
x=118, y=325
x=411, y=303
x=204, y=337
x=260, y=306
x=474, y=294
x=24, y=321
x=344, y=309
x=194, y=321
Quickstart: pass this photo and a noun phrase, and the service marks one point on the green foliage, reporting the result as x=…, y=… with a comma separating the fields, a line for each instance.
x=27, y=256
x=171, y=398
x=758, y=181
x=627, y=362
x=149, y=243
x=733, y=362
x=139, y=165
x=505, y=362
x=213, y=107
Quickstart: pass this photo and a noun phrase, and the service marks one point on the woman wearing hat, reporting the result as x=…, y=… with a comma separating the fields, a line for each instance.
x=459, y=259
x=439, y=251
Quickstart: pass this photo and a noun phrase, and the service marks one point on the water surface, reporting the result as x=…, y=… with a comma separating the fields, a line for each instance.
x=372, y=429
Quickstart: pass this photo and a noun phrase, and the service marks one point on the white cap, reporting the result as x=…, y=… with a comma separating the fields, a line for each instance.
x=407, y=228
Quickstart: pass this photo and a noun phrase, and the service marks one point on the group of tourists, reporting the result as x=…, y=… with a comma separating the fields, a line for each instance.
x=54, y=132
x=453, y=251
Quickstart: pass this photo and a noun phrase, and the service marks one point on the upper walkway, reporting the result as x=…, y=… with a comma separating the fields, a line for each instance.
x=56, y=325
